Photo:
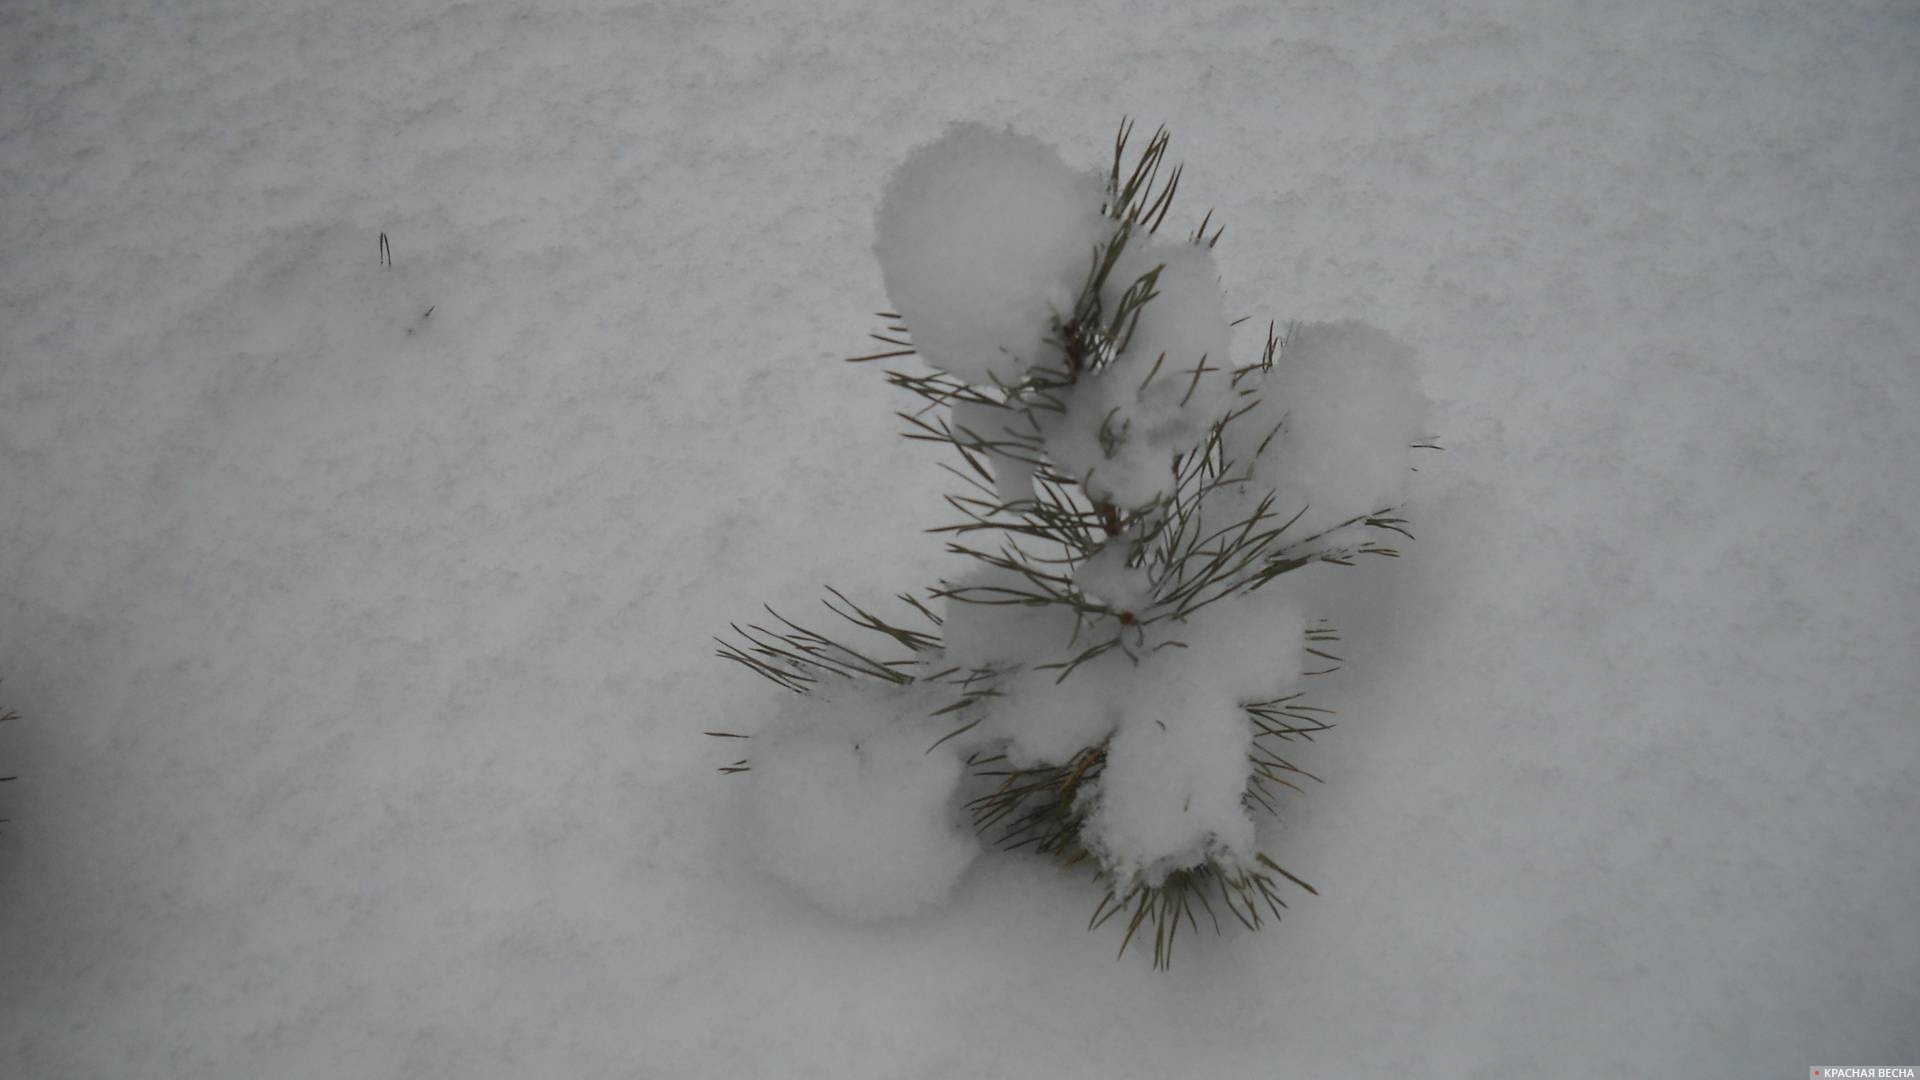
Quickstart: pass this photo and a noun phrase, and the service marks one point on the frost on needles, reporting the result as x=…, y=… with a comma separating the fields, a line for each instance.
x=1116, y=681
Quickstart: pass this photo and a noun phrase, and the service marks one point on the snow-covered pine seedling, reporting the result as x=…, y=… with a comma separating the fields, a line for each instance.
x=1115, y=681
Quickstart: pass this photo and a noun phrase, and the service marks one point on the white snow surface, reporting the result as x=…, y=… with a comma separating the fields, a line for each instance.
x=850, y=804
x=362, y=654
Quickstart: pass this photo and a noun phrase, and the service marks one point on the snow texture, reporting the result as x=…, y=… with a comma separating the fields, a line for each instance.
x=995, y=629
x=849, y=805
x=984, y=238
x=1170, y=794
x=1106, y=578
x=1002, y=436
x=1040, y=722
x=362, y=672
x=1346, y=402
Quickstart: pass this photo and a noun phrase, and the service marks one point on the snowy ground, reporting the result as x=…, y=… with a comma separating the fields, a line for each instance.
x=363, y=653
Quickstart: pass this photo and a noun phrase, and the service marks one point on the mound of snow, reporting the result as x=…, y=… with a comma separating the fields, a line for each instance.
x=1169, y=795
x=984, y=237
x=849, y=806
x=1347, y=403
